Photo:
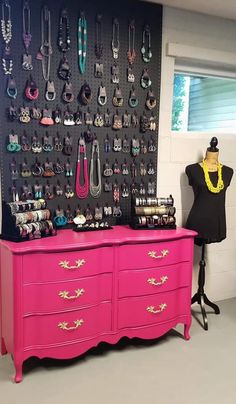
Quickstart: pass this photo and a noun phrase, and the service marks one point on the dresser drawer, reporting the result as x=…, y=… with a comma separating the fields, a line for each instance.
x=66, y=327
x=61, y=266
x=155, y=254
x=141, y=311
x=53, y=297
x=156, y=280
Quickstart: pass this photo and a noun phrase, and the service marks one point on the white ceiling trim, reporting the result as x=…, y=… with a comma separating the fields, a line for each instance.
x=220, y=8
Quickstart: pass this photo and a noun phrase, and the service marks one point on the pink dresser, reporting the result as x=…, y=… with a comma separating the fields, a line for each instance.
x=63, y=295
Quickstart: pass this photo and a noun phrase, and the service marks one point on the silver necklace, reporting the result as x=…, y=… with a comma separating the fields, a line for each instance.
x=95, y=190
x=46, y=44
x=115, y=43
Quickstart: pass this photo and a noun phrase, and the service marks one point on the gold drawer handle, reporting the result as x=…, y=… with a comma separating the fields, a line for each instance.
x=153, y=254
x=64, y=325
x=154, y=282
x=151, y=309
x=65, y=294
x=78, y=264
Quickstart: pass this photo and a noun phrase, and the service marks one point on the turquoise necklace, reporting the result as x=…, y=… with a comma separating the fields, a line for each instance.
x=82, y=42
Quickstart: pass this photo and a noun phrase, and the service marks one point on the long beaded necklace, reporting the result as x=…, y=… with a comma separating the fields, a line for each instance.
x=6, y=29
x=27, y=37
x=146, y=44
x=210, y=186
x=82, y=42
x=131, y=54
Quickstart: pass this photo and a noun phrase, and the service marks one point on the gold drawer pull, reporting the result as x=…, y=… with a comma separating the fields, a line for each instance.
x=154, y=282
x=151, y=309
x=153, y=254
x=64, y=294
x=78, y=264
x=64, y=325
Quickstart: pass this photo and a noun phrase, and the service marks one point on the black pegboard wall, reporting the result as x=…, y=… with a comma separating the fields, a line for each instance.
x=142, y=13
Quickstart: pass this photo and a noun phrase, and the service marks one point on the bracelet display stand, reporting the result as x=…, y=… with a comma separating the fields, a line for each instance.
x=153, y=213
x=29, y=220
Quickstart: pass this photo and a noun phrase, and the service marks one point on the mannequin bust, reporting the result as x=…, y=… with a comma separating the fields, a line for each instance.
x=209, y=180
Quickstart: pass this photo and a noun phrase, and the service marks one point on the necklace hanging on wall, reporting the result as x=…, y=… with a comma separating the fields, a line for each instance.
x=115, y=43
x=146, y=44
x=98, y=40
x=64, y=44
x=82, y=42
x=45, y=51
x=64, y=27
x=6, y=28
x=27, y=37
x=82, y=188
x=95, y=190
x=131, y=54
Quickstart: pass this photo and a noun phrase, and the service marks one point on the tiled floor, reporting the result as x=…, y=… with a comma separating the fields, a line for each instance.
x=165, y=371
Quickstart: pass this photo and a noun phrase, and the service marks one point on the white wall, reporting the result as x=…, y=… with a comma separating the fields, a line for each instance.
x=178, y=150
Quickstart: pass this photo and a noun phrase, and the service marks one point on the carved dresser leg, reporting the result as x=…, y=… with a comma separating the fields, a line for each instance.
x=186, y=331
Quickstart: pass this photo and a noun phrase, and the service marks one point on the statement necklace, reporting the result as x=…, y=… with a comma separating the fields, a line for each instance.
x=210, y=186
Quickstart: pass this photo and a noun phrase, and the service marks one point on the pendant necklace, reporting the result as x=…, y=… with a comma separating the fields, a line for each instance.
x=6, y=28
x=27, y=37
x=115, y=43
x=146, y=44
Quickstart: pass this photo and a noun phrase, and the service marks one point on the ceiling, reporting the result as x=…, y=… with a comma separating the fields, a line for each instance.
x=221, y=8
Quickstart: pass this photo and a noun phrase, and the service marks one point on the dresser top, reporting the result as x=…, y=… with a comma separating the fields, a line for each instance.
x=69, y=240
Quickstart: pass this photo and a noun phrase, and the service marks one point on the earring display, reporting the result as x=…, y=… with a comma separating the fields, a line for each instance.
x=80, y=128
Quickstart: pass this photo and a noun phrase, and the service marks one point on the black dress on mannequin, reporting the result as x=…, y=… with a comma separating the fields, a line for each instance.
x=207, y=217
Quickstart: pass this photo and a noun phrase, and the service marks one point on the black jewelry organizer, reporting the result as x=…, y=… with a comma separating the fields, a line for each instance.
x=142, y=13
x=153, y=213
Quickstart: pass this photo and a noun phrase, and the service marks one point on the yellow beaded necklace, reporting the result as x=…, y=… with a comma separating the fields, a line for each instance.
x=210, y=186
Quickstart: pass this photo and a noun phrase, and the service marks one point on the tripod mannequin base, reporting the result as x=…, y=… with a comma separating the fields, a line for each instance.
x=202, y=299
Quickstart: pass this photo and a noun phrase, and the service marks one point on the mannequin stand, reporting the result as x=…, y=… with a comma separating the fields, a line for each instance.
x=200, y=297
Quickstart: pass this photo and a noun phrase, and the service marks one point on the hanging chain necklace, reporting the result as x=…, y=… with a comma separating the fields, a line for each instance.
x=98, y=41
x=82, y=189
x=64, y=25
x=210, y=186
x=131, y=54
x=95, y=190
x=46, y=44
x=146, y=44
x=115, y=43
x=82, y=42
x=27, y=37
x=6, y=28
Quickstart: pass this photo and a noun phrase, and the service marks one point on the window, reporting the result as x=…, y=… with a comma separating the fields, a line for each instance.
x=204, y=104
